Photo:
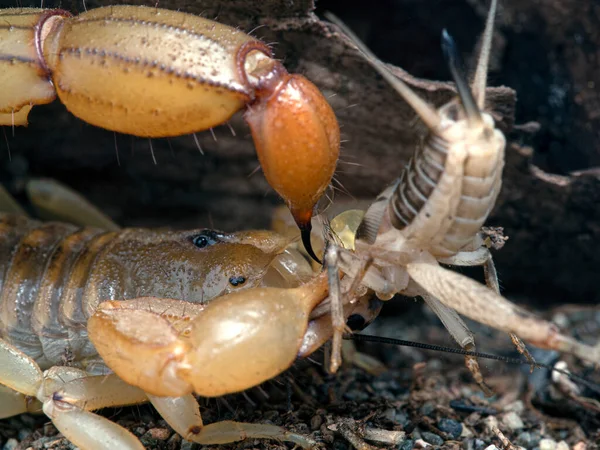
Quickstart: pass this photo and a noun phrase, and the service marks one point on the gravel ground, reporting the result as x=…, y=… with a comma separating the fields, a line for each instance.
x=424, y=399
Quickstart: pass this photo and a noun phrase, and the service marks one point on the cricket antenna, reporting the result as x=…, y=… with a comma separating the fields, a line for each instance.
x=452, y=56
x=439, y=348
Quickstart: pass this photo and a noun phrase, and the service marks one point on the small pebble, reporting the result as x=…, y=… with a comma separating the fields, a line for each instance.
x=517, y=407
x=406, y=445
x=427, y=409
x=513, y=421
x=547, y=444
x=562, y=445
x=492, y=447
x=466, y=432
x=479, y=444
x=450, y=426
x=23, y=434
x=390, y=414
x=402, y=419
x=420, y=443
x=356, y=395
x=160, y=434
x=186, y=445
x=490, y=422
x=174, y=441
x=416, y=434
x=316, y=422
x=432, y=438
x=528, y=439
x=12, y=443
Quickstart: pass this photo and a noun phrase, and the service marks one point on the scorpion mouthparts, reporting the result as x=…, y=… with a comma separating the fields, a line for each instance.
x=305, y=230
x=453, y=60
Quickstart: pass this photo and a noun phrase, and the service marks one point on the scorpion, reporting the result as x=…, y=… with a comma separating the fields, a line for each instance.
x=231, y=329
x=72, y=285
x=153, y=73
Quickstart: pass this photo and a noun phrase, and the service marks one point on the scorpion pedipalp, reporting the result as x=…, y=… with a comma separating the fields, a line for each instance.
x=235, y=342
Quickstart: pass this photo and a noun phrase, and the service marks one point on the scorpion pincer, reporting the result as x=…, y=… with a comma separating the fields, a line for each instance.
x=136, y=315
x=153, y=73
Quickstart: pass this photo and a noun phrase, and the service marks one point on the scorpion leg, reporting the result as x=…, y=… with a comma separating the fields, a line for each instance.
x=183, y=414
x=69, y=393
x=483, y=257
x=64, y=392
x=14, y=403
x=20, y=378
x=55, y=201
x=480, y=303
x=18, y=371
x=9, y=205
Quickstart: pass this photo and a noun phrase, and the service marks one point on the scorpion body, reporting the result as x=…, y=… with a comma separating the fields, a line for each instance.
x=227, y=311
x=54, y=275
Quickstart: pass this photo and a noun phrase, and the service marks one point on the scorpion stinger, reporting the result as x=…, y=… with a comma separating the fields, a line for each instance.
x=305, y=235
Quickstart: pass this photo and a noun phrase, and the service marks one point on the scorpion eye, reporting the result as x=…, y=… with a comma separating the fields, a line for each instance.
x=205, y=238
x=236, y=281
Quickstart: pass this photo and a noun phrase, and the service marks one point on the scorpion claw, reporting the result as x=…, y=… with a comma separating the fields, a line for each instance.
x=235, y=342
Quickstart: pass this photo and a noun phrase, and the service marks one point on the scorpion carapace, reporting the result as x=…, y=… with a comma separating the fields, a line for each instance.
x=152, y=72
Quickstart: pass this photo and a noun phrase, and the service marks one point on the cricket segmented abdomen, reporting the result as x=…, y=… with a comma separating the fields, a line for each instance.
x=481, y=185
x=418, y=181
x=465, y=181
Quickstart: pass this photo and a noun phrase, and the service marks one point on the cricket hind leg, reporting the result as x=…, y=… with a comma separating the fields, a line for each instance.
x=462, y=335
x=482, y=304
x=483, y=257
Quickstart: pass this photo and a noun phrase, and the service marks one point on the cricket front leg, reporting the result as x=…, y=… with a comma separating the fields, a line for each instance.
x=480, y=303
x=337, y=308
